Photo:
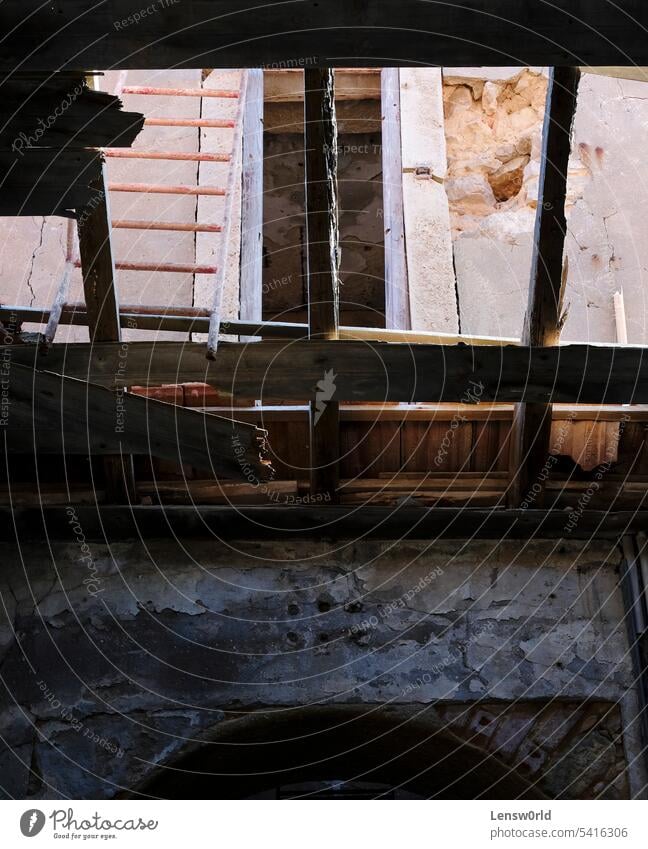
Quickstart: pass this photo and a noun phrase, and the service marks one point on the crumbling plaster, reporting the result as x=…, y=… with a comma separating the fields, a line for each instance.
x=154, y=642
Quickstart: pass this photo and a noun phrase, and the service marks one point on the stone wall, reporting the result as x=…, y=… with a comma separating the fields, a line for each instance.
x=119, y=659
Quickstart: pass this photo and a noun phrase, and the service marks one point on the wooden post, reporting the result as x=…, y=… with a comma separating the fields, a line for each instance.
x=251, y=283
x=531, y=432
x=397, y=307
x=320, y=137
x=102, y=306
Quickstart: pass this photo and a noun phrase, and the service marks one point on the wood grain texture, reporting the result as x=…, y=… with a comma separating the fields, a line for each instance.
x=322, y=264
x=251, y=283
x=52, y=414
x=226, y=34
x=584, y=374
x=531, y=433
x=397, y=307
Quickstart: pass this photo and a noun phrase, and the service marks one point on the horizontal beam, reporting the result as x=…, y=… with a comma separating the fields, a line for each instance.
x=175, y=319
x=585, y=374
x=313, y=522
x=225, y=34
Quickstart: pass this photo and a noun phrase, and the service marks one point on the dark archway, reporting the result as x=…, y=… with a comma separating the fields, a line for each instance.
x=343, y=751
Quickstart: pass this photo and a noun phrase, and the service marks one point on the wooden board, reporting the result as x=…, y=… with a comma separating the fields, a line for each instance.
x=587, y=374
x=219, y=33
x=51, y=414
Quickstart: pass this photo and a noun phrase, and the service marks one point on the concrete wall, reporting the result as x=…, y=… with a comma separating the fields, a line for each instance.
x=115, y=660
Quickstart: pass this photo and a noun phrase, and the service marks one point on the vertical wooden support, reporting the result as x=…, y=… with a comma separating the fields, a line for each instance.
x=397, y=307
x=320, y=139
x=102, y=304
x=531, y=433
x=251, y=281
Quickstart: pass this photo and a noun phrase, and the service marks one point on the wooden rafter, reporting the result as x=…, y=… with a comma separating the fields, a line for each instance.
x=530, y=436
x=466, y=33
x=322, y=246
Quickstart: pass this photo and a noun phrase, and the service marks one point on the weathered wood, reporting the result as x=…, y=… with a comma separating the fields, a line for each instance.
x=45, y=182
x=61, y=297
x=62, y=111
x=251, y=280
x=583, y=374
x=224, y=34
x=215, y=319
x=530, y=437
x=158, y=317
x=322, y=260
x=53, y=414
x=292, y=522
x=397, y=308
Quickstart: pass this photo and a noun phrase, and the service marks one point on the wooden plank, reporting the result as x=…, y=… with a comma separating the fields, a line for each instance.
x=294, y=522
x=215, y=319
x=436, y=446
x=369, y=448
x=322, y=261
x=469, y=32
x=54, y=317
x=397, y=309
x=251, y=281
x=584, y=374
x=53, y=414
x=530, y=437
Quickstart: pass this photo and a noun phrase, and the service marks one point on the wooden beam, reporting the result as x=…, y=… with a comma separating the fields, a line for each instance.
x=218, y=33
x=289, y=523
x=323, y=251
x=53, y=414
x=573, y=374
x=531, y=433
x=251, y=280
x=397, y=307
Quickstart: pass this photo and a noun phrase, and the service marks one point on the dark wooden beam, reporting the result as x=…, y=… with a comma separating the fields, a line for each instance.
x=323, y=251
x=226, y=33
x=48, y=414
x=531, y=432
x=58, y=110
x=583, y=374
x=331, y=522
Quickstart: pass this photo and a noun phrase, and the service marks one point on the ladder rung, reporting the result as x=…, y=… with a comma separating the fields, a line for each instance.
x=180, y=92
x=126, y=153
x=189, y=122
x=166, y=225
x=156, y=189
x=189, y=268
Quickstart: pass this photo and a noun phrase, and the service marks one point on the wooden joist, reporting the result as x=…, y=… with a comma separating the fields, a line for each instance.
x=583, y=374
x=118, y=34
x=293, y=522
x=322, y=251
x=48, y=414
x=529, y=446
